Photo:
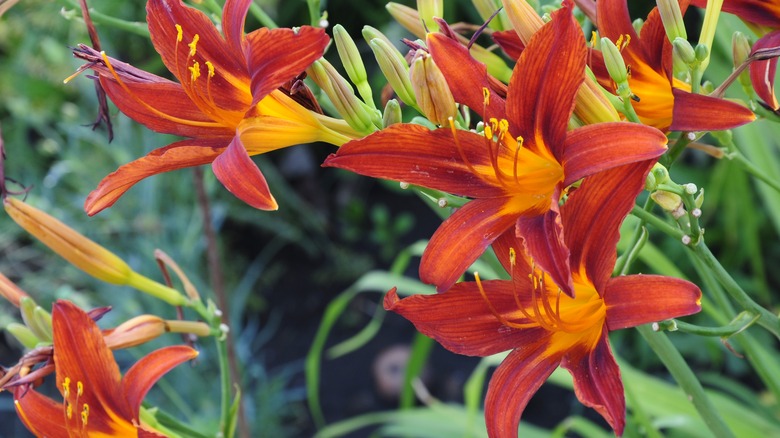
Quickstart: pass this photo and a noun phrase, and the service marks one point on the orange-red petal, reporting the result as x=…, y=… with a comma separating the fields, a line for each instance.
x=597, y=382
x=276, y=56
x=595, y=148
x=544, y=82
x=413, y=154
x=633, y=300
x=697, y=112
x=543, y=239
x=240, y=175
x=41, y=415
x=762, y=73
x=233, y=19
x=461, y=321
x=592, y=216
x=509, y=42
x=466, y=77
x=513, y=384
x=185, y=153
x=463, y=237
x=140, y=378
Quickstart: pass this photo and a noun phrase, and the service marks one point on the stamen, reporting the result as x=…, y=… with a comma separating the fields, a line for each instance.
x=179, y=33
x=193, y=45
x=517, y=158
x=493, y=310
x=66, y=387
x=68, y=410
x=79, y=388
x=195, y=71
x=485, y=96
x=84, y=415
x=210, y=67
x=460, y=148
x=155, y=111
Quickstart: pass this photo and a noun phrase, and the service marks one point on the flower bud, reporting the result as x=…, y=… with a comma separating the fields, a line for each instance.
x=37, y=323
x=614, y=61
x=409, y=18
x=671, y=16
x=353, y=110
x=486, y=9
x=702, y=52
x=23, y=334
x=427, y=10
x=740, y=48
x=11, y=291
x=670, y=202
x=68, y=243
x=144, y=328
x=396, y=70
x=353, y=63
x=84, y=253
x=430, y=88
x=684, y=51
x=392, y=113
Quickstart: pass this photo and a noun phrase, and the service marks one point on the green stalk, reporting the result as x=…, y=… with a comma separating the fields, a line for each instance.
x=262, y=17
x=674, y=152
x=224, y=379
x=687, y=380
x=135, y=27
x=767, y=319
x=752, y=169
x=741, y=322
x=657, y=222
x=314, y=12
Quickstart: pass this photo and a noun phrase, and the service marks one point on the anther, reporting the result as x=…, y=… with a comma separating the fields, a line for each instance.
x=179, y=33
x=485, y=96
x=210, y=66
x=195, y=71
x=84, y=414
x=193, y=45
x=79, y=388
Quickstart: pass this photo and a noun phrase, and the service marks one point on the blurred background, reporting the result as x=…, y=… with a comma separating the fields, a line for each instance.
x=283, y=269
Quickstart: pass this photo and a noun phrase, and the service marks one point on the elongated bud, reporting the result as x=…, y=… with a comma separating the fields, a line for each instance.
x=40, y=326
x=352, y=109
x=707, y=35
x=68, y=243
x=486, y=9
x=144, y=328
x=740, y=48
x=23, y=334
x=353, y=63
x=409, y=18
x=428, y=10
x=671, y=16
x=614, y=61
x=11, y=291
x=392, y=113
x=591, y=106
x=83, y=252
x=433, y=95
x=395, y=69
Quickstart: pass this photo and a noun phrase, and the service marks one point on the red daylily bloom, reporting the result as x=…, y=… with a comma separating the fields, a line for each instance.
x=227, y=101
x=515, y=170
x=545, y=328
x=98, y=401
x=665, y=102
x=763, y=16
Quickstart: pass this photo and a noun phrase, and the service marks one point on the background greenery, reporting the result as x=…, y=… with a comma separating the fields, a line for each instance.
x=284, y=269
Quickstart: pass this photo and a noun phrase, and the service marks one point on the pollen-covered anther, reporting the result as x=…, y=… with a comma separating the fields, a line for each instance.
x=66, y=387
x=179, y=33
x=193, y=45
x=79, y=389
x=485, y=96
x=195, y=71
x=84, y=414
x=210, y=68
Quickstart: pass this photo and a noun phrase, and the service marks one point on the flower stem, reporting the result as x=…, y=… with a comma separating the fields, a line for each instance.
x=135, y=27
x=224, y=379
x=687, y=380
x=767, y=319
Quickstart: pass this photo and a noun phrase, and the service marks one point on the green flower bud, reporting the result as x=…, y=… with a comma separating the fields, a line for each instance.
x=671, y=16
x=637, y=25
x=684, y=50
x=352, y=62
x=702, y=52
x=23, y=334
x=392, y=113
x=614, y=61
x=670, y=202
x=409, y=18
x=394, y=67
x=427, y=10
x=35, y=323
x=341, y=95
x=740, y=48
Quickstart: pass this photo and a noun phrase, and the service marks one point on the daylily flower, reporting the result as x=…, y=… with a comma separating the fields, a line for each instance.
x=763, y=17
x=228, y=101
x=664, y=101
x=545, y=328
x=98, y=401
x=517, y=169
